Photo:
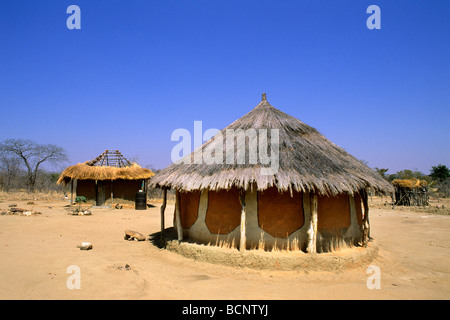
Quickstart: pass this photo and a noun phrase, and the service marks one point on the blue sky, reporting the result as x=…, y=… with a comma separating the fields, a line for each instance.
x=138, y=70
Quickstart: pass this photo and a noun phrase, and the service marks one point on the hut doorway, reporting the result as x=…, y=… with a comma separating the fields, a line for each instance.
x=101, y=193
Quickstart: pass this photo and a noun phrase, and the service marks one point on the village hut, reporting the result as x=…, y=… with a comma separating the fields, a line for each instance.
x=109, y=177
x=312, y=199
x=411, y=192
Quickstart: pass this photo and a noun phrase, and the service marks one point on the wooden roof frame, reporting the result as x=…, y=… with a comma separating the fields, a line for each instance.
x=110, y=158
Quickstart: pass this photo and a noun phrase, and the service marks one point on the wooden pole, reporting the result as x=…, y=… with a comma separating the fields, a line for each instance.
x=112, y=195
x=178, y=217
x=312, y=231
x=163, y=208
x=71, y=191
x=242, y=241
x=366, y=224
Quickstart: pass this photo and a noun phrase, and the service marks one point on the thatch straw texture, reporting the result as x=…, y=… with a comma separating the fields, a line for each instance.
x=307, y=162
x=83, y=171
x=410, y=184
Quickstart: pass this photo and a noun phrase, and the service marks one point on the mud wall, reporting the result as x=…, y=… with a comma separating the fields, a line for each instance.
x=122, y=189
x=272, y=218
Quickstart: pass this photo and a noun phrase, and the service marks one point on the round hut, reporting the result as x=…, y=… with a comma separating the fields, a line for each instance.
x=109, y=177
x=269, y=180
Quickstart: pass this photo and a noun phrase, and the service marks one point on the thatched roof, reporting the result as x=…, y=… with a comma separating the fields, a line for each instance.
x=110, y=165
x=307, y=162
x=410, y=183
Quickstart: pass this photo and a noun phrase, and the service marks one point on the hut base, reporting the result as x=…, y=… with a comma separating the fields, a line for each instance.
x=343, y=259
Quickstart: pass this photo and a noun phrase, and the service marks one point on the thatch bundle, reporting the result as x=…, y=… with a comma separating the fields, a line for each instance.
x=410, y=183
x=307, y=162
x=83, y=171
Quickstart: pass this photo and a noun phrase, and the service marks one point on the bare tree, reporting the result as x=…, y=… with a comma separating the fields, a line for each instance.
x=33, y=155
x=10, y=171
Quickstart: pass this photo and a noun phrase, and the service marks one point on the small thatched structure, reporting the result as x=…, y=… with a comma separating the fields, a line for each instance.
x=411, y=192
x=108, y=177
x=312, y=198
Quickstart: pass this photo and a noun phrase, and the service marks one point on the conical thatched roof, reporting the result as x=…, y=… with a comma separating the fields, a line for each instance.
x=307, y=161
x=110, y=165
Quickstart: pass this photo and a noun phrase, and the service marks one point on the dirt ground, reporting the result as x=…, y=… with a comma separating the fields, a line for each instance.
x=36, y=252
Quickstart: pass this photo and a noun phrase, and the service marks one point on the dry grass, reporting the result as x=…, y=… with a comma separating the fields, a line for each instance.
x=332, y=243
x=23, y=195
x=410, y=184
x=439, y=206
x=83, y=171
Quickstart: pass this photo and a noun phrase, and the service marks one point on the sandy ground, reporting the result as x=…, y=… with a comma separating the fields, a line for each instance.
x=36, y=251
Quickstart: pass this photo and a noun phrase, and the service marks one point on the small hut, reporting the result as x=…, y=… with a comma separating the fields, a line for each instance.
x=106, y=179
x=313, y=200
x=413, y=192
